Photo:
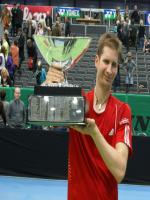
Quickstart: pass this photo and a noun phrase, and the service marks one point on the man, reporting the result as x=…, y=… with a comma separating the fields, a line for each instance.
x=98, y=151
x=16, y=115
x=129, y=66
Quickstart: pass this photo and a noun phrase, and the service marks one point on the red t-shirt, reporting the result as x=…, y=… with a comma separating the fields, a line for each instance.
x=88, y=176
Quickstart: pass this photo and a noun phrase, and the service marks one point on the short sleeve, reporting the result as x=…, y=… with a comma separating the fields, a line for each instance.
x=124, y=126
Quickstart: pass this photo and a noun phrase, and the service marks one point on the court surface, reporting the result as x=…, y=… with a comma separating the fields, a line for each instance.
x=20, y=188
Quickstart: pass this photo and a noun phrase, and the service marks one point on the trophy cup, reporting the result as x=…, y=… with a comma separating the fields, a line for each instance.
x=58, y=103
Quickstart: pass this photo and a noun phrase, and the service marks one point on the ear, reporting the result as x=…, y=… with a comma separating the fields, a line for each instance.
x=96, y=60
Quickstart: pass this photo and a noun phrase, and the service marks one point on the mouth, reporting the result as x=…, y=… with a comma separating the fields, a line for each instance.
x=108, y=79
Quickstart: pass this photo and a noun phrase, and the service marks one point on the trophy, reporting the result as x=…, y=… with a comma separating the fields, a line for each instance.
x=58, y=103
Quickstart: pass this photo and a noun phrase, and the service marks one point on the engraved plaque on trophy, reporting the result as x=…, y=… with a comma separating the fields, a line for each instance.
x=58, y=102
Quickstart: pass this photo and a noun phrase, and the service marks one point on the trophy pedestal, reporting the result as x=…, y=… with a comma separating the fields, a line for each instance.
x=56, y=106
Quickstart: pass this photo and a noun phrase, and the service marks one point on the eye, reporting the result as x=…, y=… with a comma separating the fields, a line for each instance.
x=114, y=65
x=106, y=61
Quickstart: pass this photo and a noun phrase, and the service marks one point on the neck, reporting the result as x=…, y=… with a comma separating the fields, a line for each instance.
x=101, y=93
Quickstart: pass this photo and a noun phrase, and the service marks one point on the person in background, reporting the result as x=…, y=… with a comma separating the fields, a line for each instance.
x=5, y=45
x=48, y=20
x=14, y=20
x=129, y=66
x=32, y=53
x=40, y=73
x=6, y=17
x=16, y=115
x=6, y=34
x=2, y=58
x=3, y=99
x=39, y=30
x=135, y=15
x=10, y=67
x=2, y=116
x=56, y=29
x=99, y=150
x=15, y=53
x=19, y=15
x=146, y=48
x=67, y=27
x=5, y=78
x=141, y=34
x=21, y=43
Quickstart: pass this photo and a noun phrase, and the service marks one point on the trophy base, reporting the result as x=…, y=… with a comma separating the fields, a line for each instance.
x=56, y=106
x=64, y=124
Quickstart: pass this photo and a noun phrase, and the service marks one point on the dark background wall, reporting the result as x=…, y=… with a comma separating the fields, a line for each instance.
x=142, y=4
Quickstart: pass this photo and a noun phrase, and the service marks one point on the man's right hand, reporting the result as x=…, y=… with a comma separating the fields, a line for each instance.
x=54, y=75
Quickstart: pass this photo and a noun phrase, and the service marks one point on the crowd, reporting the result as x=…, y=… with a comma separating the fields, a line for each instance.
x=130, y=31
x=12, y=52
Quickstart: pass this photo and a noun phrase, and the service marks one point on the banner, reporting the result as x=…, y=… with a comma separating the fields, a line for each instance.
x=147, y=18
x=36, y=11
x=110, y=14
x=69, y=12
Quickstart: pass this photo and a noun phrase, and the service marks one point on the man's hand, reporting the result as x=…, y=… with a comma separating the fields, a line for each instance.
x=54, y=75
x=90, y=128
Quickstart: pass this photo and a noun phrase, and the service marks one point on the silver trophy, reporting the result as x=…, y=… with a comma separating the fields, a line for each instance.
x=58, y=102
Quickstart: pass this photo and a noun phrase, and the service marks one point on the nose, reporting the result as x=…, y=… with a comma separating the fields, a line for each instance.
x=109, y=69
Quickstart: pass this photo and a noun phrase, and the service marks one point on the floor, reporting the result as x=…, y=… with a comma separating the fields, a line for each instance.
x=20, y=188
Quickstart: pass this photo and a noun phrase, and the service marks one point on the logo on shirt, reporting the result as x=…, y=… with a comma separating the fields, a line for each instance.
x=111, y=132
x=124, y=121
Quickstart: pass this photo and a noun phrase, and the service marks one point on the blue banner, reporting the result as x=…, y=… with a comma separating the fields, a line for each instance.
x=147, y=18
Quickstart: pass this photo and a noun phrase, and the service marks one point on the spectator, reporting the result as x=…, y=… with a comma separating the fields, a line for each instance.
x=135, y=16
x=141, y=34
x=14, y=20
x=146, y=48
x=39, y=30
x=10, y=67
x=3, y=99
x=21, y=43
x=40, y=73
x=5, y=45
x=30, y=30
x=6, y=17
x=16, y=115
x=56, y=30
x=67, y=27
x=19, y=16
x=48, y=20
x=129, y=66
x=127, y=13
x=2, y=58
x=32, y=53
x=15, y=53
x=6, y=33
x=2, y=116
x=5, y=79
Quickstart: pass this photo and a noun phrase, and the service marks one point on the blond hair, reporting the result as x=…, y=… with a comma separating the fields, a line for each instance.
x=112, y=41
x=4, y=72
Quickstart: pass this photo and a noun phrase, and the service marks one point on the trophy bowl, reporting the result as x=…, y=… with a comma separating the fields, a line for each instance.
x=57, y=102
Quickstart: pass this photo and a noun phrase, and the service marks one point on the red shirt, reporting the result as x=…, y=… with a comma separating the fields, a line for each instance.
x=88, y=176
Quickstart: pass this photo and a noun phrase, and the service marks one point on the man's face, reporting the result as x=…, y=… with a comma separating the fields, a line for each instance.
x=107, y=67
x=17, y=93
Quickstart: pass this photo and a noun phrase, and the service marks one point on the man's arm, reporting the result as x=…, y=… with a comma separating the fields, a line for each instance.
x=114, y=158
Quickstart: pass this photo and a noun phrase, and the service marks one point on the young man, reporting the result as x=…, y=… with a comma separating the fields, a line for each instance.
x=98, y=151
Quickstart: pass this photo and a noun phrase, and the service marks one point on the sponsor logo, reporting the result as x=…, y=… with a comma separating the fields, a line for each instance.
x=111, y=132
x=124, y=121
